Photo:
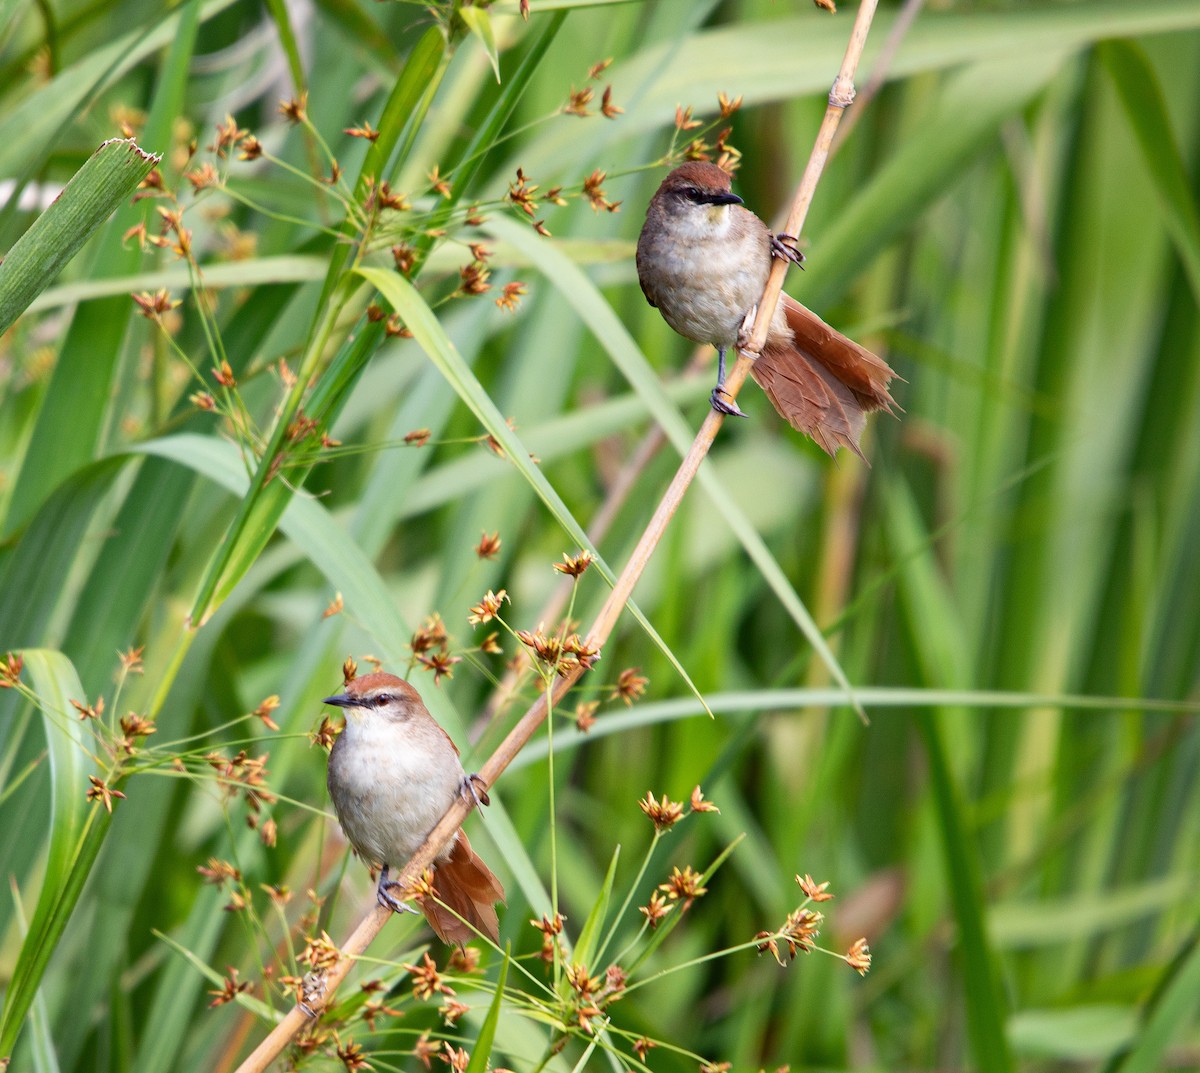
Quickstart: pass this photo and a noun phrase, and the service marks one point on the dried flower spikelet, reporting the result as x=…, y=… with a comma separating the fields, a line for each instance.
x=488, y=546
x=684, y=120
x=349, y=670
x=404, y=257
x=228, y=135
x=464, y=960
x=430, y=636
x=134, y=726
x=320, y=953
x=101, y=791
x=607, y=108
x=218, y=872
x=295, y=109
x=521, y=193
x=364, y=130
x=230, y=988
x=574, y=565
x=264, y=710
x=419, y=437
x=131, y=660
x=88, y=711
x=578, y=652
x=594, y=192
x=815, y=892
x=155, y=306
x=326, y=734
x=657, y=908
x=426, y=979
x=859, y=956
x=351, y=1056
x=699, y=804
x=510, y=298
x=727, y=106
x=585, y=715
x=629, y=686
x=578, y=100
x=800, y=930
x=488, y=608
x=685, y=886
x=10, y=669
x=457, y=1058
x=336, y=606
x=664, y=814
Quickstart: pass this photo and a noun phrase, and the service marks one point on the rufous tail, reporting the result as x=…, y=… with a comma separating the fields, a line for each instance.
x=822, y=383
x=466, y=887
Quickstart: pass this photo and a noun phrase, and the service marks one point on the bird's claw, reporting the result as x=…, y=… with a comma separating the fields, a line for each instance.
x=787, y=248
x=475, y=789
x=717, y=401
x=388, y=901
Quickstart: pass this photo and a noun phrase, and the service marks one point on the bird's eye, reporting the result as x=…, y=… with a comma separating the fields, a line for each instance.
x=382, y=700
x=693, y=193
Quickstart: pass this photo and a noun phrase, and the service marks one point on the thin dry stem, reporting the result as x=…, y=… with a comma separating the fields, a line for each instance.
x=840, y=96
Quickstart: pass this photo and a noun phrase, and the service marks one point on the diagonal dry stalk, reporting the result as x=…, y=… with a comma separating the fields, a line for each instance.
x=840, y=97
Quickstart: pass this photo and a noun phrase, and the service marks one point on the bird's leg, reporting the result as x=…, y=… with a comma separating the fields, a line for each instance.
x=717, y=399
x=787, y=248
x=386, y=899
x=473, y=788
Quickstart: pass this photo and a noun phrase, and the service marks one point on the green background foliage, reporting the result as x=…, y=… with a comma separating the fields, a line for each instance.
x=1011, y=587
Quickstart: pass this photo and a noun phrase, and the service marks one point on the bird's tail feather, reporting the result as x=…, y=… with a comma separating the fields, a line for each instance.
x=465, y=886
x=822, y=383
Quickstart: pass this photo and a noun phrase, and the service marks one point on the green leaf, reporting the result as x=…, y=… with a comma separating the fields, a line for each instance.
x=479, y=22
x=1170, y=1012
x=107, y=178
x=482, y=1049
x=1145, y=105
x=76, y=832
x=589, y=935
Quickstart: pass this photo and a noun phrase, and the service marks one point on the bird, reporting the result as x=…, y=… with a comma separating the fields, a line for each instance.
x=393, y=772
x=703, y=259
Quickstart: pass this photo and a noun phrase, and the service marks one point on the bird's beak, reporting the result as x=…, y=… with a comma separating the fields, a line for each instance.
x=729, y=198
x=341, y=700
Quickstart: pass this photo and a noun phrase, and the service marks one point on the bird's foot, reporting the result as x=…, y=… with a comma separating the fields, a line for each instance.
x=717, y=401
x=475, y=789
x=387, y=899
x=787, y=248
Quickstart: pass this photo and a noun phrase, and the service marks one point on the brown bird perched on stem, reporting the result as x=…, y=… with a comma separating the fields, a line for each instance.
x=393, y=773
x=703, y=261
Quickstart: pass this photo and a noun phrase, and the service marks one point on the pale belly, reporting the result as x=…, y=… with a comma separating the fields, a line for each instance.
x=388, y=801
x=704, y=286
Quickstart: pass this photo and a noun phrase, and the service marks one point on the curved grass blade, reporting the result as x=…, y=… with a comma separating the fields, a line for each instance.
x=1141, y=96
x=1170, y=1011
x=431, y=335
x=482, y=1050
x=76, y=833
